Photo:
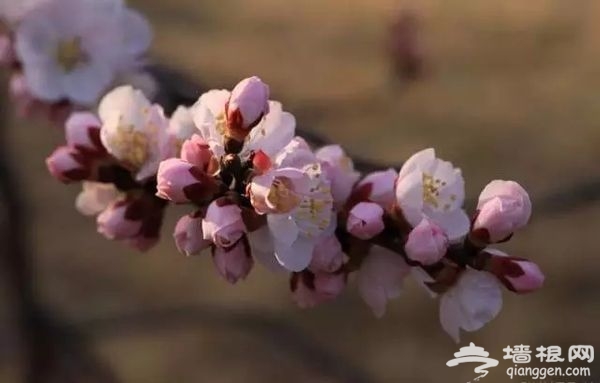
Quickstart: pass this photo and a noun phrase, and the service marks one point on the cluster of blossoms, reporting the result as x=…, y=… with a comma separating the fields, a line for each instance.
x=65, y=54
x=256, y=192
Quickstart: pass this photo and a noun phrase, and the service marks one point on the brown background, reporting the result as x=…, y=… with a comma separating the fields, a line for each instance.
x=511, y=90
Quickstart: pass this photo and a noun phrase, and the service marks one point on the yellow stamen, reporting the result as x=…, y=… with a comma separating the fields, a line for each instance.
x=69, y=54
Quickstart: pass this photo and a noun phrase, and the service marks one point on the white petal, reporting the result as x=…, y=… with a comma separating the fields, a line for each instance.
x=273, y=133
x=296, y=257
x=450, y=316
x=409, y=195
x=456, y=223
x=283, y=228
x=263, y=249
x=420, y=160
x=137, y=33
x=85, y=84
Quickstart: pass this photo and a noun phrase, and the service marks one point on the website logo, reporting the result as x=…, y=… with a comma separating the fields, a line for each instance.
x=474, y=354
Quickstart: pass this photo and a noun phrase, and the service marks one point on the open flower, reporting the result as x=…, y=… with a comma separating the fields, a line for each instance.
x=473, y=301
x=432, y=188
x=299, y=210
x=73, y=50
x=272, y=132
x=133, y=130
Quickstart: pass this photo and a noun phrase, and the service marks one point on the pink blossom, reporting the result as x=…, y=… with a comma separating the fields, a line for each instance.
x=339, y=169
x=180, y=182
x=377, y=187
x=327, y=255
x=188, y=235
x=197, y=152
x=427, y=243
x=82, y=131
x=67, y=165
x=473, y=301
x=248, y=103
x=365, y=220
x=503, y=208
x=431, y=187
x=380, y=278
x=119, y=221
x=223, y=224
x=235, y=262
x=26, y=104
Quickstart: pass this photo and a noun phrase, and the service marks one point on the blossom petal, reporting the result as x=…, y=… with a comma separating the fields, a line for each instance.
x=296, y=257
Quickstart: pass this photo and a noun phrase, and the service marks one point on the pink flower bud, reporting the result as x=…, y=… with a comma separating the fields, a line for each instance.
x=142, y=243
x=223, y=224
x=248, y=103
x=377, y=187
x=82, y=131
x=234, y=263
x=365, y=220
x=327, y=256
x=503, y=208
x=188, y=235
x=339, y=170
x=197, y=152
x=517, y=274
x=427, y=243
x=121, y=220
x=180, y=182
x=67, y=165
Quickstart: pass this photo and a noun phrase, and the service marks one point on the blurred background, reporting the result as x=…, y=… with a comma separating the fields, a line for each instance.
x=504, y=89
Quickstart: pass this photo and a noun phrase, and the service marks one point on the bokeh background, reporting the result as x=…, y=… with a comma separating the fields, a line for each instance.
x=507, y=89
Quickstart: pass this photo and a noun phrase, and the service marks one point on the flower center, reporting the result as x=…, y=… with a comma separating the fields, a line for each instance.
x=131, y=145
x=431, y=193
x=282, y=195
x=69, y=54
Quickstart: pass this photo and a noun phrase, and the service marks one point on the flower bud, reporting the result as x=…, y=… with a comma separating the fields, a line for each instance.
x=427, y=243
x=503, y=208
x=82, y=131
x=7, y=51
x=377, y=187
x=188, y=235
x=329, y=285
x=223, y=223
x=121, y=220
x=180, y=182
x=517, y=274
x=310, y=289
x=248, y=103
x=68, y=165
x=234, y=263
x=327, y=256
x=365, y=220
x=197, y=152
